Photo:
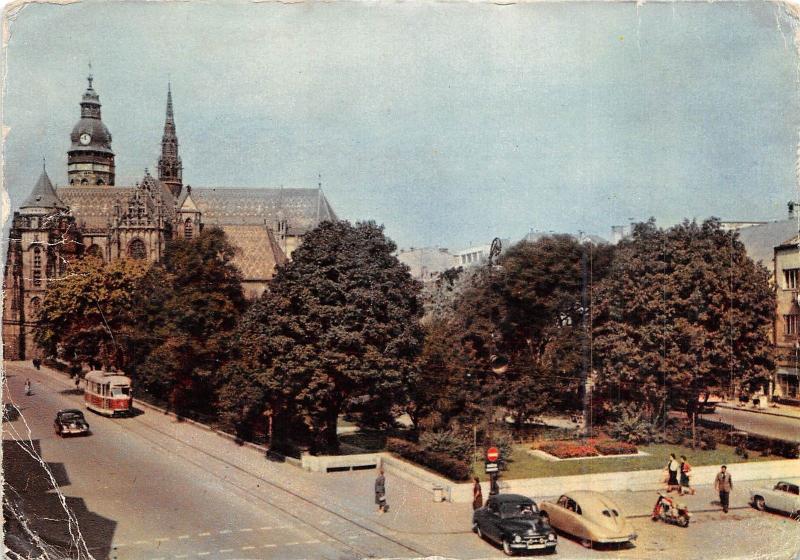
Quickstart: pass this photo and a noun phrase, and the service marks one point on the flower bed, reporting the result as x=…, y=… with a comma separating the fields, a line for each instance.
x=590, y=448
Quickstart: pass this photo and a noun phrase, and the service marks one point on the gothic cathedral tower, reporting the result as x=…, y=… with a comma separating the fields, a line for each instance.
x=170, y=169
x=90, y=161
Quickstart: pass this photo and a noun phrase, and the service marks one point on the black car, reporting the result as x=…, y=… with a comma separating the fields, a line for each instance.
x=71, y=422
x=515, y=523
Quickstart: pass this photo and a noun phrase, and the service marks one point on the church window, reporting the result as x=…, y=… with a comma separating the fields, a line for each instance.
x=36, y=305
x=100, y=182
x=84, y=182
x=790, y=324
x=37, y=266
x=37, y=277
x=137, y=249
x=188, y=229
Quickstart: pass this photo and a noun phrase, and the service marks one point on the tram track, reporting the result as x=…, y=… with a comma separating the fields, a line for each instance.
x=147, y=432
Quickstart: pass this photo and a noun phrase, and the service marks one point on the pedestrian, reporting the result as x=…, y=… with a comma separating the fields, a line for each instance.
x=724, y=484
x=28, y=387
x=380, y=492
x=36, y=363
x=477, y=494
x=77, y=382
x=672, y=473
x=686, y=468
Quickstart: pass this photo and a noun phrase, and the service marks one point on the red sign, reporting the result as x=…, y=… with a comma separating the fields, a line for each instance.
x=492, y=454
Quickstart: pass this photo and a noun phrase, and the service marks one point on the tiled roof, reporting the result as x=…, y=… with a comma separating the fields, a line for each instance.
x=259, y=252
x=94, y=206
x=303, y=209
x=43, y=195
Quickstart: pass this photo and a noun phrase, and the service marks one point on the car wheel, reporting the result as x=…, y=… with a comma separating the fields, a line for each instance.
x=507, y=548
x=586, y=543
x=759, y=503
x=683, y=521
x=551, y=550
x=796, y=516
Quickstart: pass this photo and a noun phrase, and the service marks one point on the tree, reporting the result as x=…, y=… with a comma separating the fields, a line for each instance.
x=683, y=311
x=187, y=311
x=86, y=314
x=341, y=328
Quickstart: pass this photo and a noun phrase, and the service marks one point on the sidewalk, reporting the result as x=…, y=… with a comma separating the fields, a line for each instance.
x=783, y=410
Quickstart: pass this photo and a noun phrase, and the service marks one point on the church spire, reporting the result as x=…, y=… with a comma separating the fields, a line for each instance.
x=170, y=169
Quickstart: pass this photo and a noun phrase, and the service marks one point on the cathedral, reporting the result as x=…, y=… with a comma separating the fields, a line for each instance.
x=91, y=215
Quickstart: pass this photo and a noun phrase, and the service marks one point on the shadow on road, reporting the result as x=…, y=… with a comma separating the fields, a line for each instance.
x=29, y=492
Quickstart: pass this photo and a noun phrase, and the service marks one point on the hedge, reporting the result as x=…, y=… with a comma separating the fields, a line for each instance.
x=439, y=462
x=755, y=442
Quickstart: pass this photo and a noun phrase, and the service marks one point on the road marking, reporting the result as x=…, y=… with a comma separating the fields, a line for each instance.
x=203, y=553
x=141, y=542
x=269, y=545
x=225, y=532
x=181, y=556
x=248, y=547
x=120, y=545
x=225, y=550
x=312, y=541
x=245, y=530
x=162, y=539
x=265, y=529
x=352, y=537
x=324, y=522
x=183, y=537
x=291, y=543
x=203, y=534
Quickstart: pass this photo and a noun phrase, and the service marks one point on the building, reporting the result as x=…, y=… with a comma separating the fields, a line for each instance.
x=426, y=263
x=91, y=215
x=787, y=320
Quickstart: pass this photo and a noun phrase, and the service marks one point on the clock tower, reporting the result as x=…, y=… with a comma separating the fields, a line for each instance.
x=90, y=160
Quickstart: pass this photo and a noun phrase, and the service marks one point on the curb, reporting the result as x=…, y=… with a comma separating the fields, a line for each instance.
x=734, y=407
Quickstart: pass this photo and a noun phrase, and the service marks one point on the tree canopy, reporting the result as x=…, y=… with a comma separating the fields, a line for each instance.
x=683, y=311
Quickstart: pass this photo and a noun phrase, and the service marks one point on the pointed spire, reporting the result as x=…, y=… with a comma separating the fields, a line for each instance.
x=170, y=169
x=170, y=116
x=43, y=195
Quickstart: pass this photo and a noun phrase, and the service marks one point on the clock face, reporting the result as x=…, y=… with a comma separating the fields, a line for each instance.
x=85, y=138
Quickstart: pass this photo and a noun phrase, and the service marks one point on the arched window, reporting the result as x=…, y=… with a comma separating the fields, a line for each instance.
x=137, y=249
x=36, y=306
x=188, y=228
x=100, y=182
x=84, y=182
x=94, y=251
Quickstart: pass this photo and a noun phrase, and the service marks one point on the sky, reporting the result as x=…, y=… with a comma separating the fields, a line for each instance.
x=449, y=123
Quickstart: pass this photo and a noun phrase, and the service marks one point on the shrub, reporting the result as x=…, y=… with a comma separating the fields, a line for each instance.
x=611, y=447
x=439, y=462
x=448, y=442
x=632, y=427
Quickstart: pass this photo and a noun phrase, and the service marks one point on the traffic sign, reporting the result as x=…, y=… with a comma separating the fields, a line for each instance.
x=492, y=454
x=491, y=467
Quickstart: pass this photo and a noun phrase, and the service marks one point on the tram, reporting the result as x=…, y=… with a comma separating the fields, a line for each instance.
x=108, y=393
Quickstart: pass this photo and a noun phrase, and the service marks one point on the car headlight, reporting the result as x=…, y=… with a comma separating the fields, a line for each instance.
x=551, y=537
x=517, y=538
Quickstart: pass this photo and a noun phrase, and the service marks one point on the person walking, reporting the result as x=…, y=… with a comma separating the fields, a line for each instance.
x=477, y=494
x=380, y=492
x=28, y=387
x=672, y=473
x=686, y=468
x=723, y=484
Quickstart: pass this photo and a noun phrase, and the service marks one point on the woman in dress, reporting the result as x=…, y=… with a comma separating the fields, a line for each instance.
x=477, y=494
x=672, y=470
x=686, y=468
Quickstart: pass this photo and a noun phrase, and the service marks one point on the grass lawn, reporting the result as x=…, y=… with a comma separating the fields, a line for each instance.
x=525, y=465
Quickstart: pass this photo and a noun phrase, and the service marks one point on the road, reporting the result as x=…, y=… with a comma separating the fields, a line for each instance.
x=152, y=488
x=166, y=499
x=766, y=424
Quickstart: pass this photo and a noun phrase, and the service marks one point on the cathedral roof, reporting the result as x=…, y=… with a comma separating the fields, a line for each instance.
x=302, y=208
x=258, y=253
x=43, y=195
x=94, y=206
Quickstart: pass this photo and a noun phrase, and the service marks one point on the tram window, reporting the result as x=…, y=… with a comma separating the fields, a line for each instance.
x=120, y=391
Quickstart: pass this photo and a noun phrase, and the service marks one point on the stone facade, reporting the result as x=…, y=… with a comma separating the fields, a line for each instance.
x=91, y=215
x=787, y=319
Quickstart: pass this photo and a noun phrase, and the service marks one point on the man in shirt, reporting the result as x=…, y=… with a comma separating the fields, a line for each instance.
x=723, y=484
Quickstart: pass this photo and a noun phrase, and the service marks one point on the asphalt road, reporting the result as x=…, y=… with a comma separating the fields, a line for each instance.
x=148, y=488
x=160, y=498
x=766, y=424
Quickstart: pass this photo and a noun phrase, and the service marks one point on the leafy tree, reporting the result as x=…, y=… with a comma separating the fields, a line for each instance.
x=340, y=328
x=86, y=314
x=187, y=311
x=684, y=311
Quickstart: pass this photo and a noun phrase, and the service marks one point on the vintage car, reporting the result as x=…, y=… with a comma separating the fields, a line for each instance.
x=784, y=496
x=515, y=523
x=70, y=422
x=591, y=517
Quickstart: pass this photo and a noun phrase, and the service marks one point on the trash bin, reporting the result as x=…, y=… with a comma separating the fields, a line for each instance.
x=438, y=494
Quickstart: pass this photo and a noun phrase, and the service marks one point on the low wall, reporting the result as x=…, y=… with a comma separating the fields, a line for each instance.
x=324, y=463
x=421, y=478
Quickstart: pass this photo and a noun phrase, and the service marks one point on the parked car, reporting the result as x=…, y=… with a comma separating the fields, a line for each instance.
x=71, y=422
x=784, y=496
x=515, y=523
x=591, y=517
